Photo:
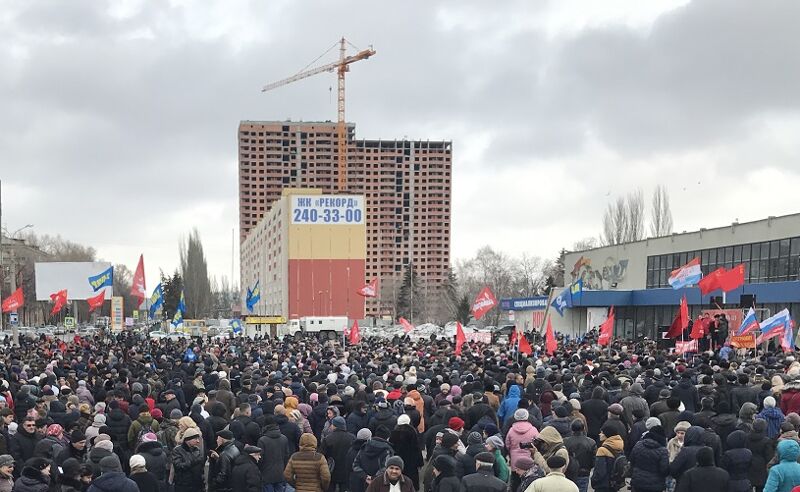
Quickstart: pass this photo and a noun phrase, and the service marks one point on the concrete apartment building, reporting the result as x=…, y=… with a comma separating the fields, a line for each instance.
x=406, y=184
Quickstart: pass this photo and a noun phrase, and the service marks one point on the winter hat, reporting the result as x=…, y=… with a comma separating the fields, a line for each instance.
x=561, y=411
x=520, y=414
x=38, y=463
x=137, y=460
x=491, y=429
x=524, y=463
x=474, y=438
x=77, y=436
x=449, y=440
x=339, y=422
x=576, y=405
x=71, y=467
x=110, y=464
x=364, y=434
x=100, y=419
x=682, y=426
x=107, y=445
x=455, y=423
x=495, y=441
x=403, y=419
x=760, y=426
x=556, y=461
x=6, y=459
x=485, y=457
x=395, y=461
x=787, y=426
x=794, y=418
x=151, y=437
x=175, y=414
x=191, y=433
x=615, y=409
x=769, y=402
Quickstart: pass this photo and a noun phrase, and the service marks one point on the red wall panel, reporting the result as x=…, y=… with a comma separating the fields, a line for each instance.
x=326, y=288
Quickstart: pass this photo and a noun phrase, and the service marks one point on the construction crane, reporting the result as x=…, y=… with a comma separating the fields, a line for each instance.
x=341, y=66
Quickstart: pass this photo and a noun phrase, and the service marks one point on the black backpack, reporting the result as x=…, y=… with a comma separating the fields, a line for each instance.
x=619, y=470
x=573, y=465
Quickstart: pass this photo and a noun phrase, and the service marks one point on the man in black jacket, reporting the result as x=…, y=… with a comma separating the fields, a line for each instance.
x=24, y=442
x=246, y=475
x=221, y=465
x=478, y=410
x=188, y=462
x=483, y=480
x=274, y=445
x=582, y=449
x=335, y=446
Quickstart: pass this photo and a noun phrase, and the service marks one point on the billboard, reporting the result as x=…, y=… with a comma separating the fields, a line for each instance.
x=73, y=276
x=327, y=209
x=116, y=313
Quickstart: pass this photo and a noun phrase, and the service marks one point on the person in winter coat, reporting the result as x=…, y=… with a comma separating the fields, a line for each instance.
x=335, y=446
x=156, y=459
x=118, y=424
x=405, y=440
x=144, y=479
x=143, y=424
x=69, y=479
x=384, y=416
x=358, y=419
x=474, y=447
x=596, y=412
x=102, y=448
x=274, y=446
x=790, y=397
x=35, y=476
x=633, y=402
x=612, y=446
x=372, y=457
x=246, y=474
x=221, y=462
x=649, y=461
x=705, y=477
x=226, y=396
x=494, y=445
x=687, y=457
x=774, y=417
x=687, y=393
x=357, y=481
x=763, y=449
x=555, y=480
x=188, y=462
x=307, y=470
x=724, y=422
x=675, y=444
x=784, y=476
x=509, y=404
x=736, y=461
x=483, y=479
x=393, y=479
x=6, y=473
x=583, y=449
x=218, y=416
x=23, y=443
x=111, y=478
x=93, y=430
x=521, y=432
x=445, y=480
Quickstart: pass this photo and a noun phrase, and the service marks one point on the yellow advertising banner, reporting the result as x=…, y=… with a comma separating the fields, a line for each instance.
x=265, y=320
x=744, y=341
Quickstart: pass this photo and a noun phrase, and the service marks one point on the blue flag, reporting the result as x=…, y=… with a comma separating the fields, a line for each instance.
x=236, y=325
x=104, y=279
x=156, y=299
x=177, y=319
x=182, y=303
x=568, y=296
x=253, y=296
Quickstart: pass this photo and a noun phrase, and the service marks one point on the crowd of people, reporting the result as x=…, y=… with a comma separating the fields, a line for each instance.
x=123, y=413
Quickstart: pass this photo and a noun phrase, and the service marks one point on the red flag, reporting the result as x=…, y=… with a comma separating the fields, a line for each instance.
x=369, y=290
x=681, y=320
x=407, y=326
x=607, y=328
x=732, y=279
x=524, y=346
x=550, y=339
x=138, y=288
x=483, y=303
x=710, y=282
x=14, y=301
x=355, y=334
x=513, y=338
x=96, y=301
x=700, y=328
x=59, y=300
x=460, y=338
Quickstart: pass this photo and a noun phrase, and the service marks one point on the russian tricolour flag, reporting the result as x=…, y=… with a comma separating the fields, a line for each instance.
x=688, y=274
x=775, y=325
x=749, y=323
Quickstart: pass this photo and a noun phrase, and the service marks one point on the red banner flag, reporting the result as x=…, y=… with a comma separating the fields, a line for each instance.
x=732, y=279
x=550, y=344
x=59, y=301
x=355, y=334
x=688, y=346
x=14, y=301
x=524, y=346
x=483, y=303
x=369, y=290
x=681, y=321
x=407, y=326
x=96, y=301
x=607, y=328
x=710, y=282
x=513, y=338
x=138, y=288
x=460, y=338
x=700, y=328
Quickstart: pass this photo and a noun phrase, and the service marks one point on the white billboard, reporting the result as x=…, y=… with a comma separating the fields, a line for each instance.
x=73, y=276
x=328, y=209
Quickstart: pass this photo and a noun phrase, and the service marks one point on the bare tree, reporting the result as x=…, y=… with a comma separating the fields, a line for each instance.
x=194, y=269
x=623, y=220
x=584, y=244
x=660, y=213
x=529, y=275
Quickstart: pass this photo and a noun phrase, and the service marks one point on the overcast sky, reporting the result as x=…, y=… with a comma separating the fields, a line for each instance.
x=118, y=119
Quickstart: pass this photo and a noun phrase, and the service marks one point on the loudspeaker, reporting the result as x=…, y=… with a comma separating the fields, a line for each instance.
x=747, y=301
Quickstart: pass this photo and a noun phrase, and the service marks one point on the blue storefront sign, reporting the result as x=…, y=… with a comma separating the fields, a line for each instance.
x=538, y=303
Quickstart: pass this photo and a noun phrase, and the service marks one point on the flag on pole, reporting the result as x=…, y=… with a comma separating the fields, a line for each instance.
x=607, y=328
x=460, y=338
x=14, y=301
x=710, y=282
x=236, y=325
x=177, y=320
x=253, y=296
x=138, y=289
x=102, y=279
x=59, y=301
x=96, y=301
x=567, y=298
x=774, y=326
x=681, y=321
x=182, y=302
x=732, y=279
x=512, y=340
x=524, y=345
x=749, y=323
x=355, y=333
x=370, y=289
x=550, y=339
x=156, y=299
x=407, y=326
x=787, y=340
x=483, y=303
x=688, y=274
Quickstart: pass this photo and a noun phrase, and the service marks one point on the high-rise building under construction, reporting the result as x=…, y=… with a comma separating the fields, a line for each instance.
x=406, y=184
